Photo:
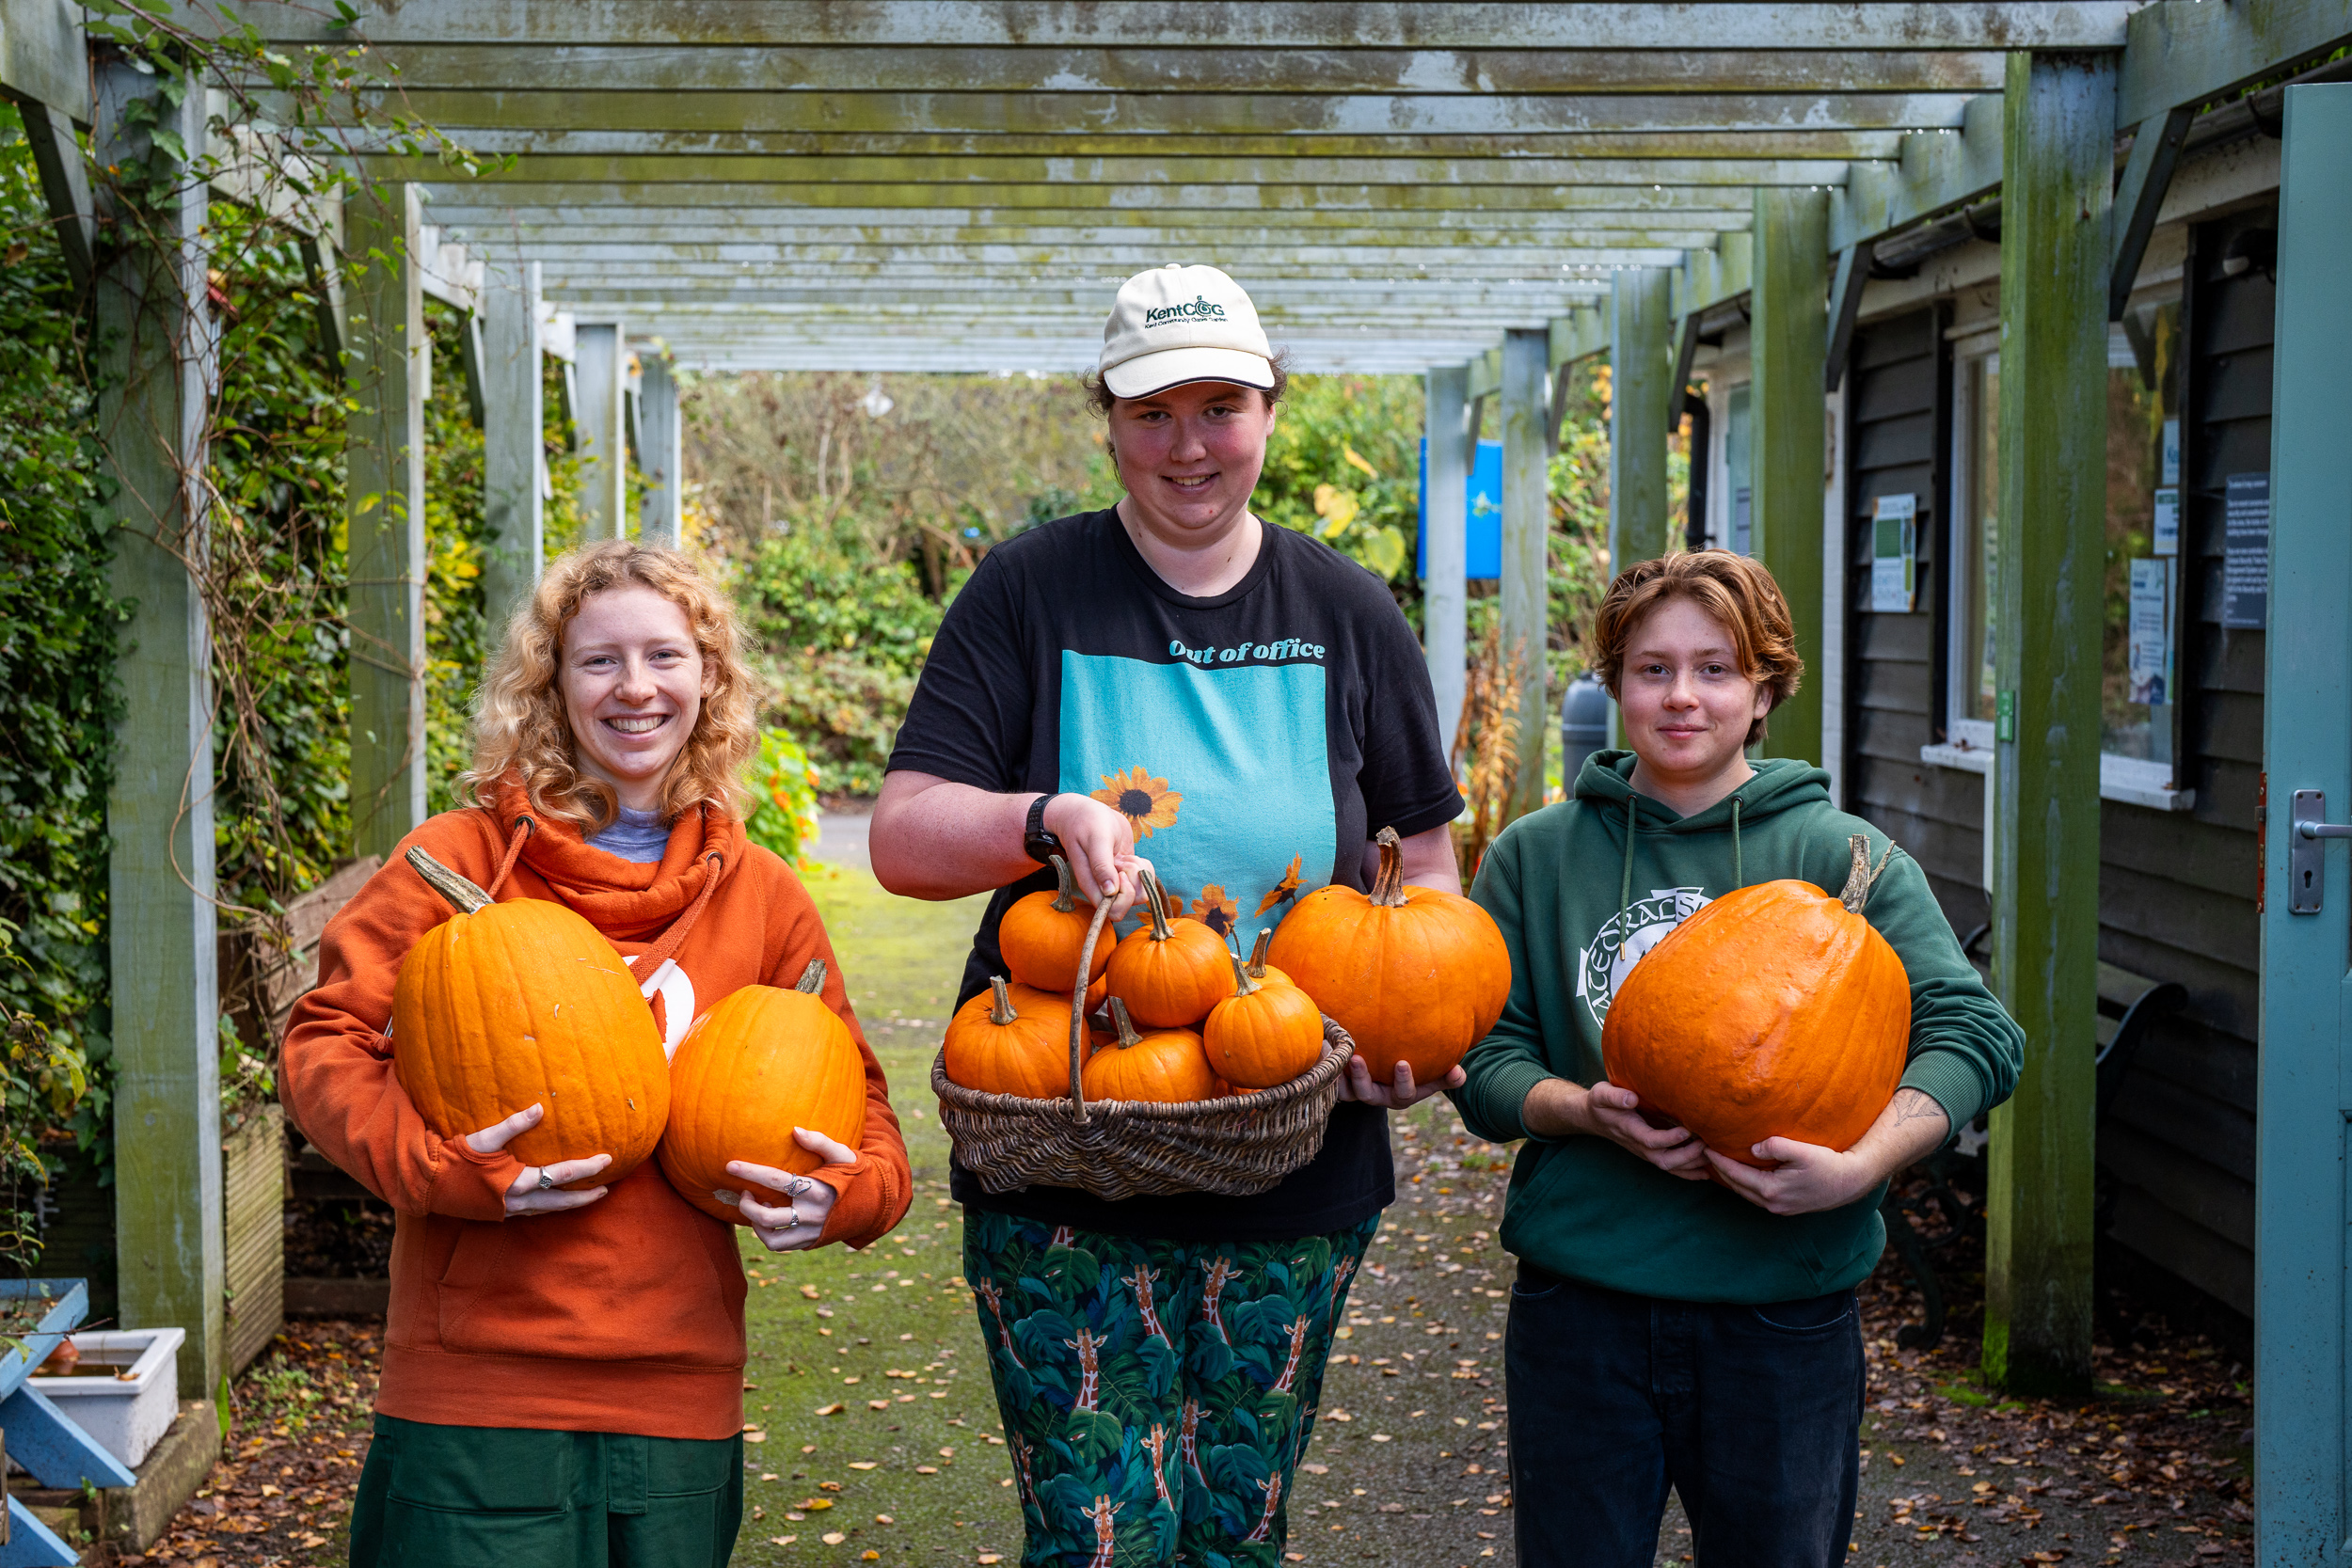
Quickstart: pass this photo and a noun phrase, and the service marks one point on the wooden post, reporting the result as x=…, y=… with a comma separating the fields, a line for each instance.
x=1445, y=591
x=1526, y=525
x=2300, y=1253
x=159, y=363
x=1640, y=361
x=1789, y=332
x=513, y=426
x=602, y=358
x=384, y=450
x=662, y=450
x=2057, y=172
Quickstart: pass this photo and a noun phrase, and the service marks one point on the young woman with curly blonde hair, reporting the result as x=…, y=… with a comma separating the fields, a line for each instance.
x=563, y=1368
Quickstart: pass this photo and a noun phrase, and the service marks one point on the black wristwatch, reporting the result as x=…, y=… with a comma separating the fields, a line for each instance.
x=1035, y=841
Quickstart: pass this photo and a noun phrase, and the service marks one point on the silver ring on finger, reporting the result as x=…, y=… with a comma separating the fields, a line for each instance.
x=791, y=1218
x=547, y=1178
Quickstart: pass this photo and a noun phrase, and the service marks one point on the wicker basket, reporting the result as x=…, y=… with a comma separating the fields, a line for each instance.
x=1116, y=1148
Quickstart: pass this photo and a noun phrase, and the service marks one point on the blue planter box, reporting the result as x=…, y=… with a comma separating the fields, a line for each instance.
x=39, y=1437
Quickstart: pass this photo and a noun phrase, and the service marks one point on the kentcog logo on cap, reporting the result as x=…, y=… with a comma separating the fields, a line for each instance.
x=1177, y=324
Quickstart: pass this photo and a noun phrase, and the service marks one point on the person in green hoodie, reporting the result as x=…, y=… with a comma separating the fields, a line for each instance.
x=1680, y=1319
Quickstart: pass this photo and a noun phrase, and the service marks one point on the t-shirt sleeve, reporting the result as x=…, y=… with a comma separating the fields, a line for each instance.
x=969, y=719
x=1406, y=784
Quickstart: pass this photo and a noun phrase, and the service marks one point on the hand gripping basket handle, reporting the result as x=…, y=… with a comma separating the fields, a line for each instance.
x=1078, y=997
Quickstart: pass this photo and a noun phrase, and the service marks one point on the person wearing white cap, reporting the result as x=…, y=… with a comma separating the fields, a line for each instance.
x=1172, y=675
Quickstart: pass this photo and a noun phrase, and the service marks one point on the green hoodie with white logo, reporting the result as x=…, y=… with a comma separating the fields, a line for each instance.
x=1579, y=899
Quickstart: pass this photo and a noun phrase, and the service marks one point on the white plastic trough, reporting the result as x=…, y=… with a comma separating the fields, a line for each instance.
x=129, y=1413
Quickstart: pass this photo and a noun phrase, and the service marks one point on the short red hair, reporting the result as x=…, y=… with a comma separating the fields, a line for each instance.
x=1735, y=590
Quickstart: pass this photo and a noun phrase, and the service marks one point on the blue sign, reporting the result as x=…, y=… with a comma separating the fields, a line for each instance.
x=1483, y=549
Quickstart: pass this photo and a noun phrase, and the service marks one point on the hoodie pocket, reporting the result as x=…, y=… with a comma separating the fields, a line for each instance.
x=636, y=1276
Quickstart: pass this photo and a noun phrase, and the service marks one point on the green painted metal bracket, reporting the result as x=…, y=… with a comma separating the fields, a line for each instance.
x=2147, y=175
x=57, y=159
x=1845, y=307
x=1485, y=374
x=1685, y=353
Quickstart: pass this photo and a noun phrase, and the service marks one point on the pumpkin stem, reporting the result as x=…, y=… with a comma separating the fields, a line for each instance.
x=1388, y=888
x=1243, y=985
x=1065, y=901
x=1127, y=1034
x=1863, y=876
x=812, y=980
x=1256, y=966
x=1001, y=1011
x=463, y=895
x=1154, y=899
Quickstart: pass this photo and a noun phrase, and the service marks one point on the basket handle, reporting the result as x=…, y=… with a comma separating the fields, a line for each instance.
x=1078, y=1003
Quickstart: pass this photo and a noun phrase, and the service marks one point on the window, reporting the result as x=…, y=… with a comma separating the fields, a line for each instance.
x=2142, y=574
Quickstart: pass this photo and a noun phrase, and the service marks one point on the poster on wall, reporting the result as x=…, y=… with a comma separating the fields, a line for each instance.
x=2149, y=630
x=1895, y=554
x=2246, y=552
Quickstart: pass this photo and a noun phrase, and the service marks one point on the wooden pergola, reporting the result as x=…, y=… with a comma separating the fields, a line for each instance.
x=1483, y=192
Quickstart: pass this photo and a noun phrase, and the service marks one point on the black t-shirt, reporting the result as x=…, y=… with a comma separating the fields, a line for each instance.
x=1257, y=739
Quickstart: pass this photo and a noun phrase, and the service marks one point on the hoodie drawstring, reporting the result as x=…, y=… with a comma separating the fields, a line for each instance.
x=1625, y=881
x=650, y=963
x=524, y=826
x=1739, y=874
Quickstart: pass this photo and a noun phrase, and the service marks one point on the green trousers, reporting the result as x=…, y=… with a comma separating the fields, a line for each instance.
x=446, y=1497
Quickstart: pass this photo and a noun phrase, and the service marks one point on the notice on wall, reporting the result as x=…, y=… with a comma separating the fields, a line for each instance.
x=2170, y=460
x=2150, y=631
x=2246, y=552
x=2167, y=528
x=1895, y=554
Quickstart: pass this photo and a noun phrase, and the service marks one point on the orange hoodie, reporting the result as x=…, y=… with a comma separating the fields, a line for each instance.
x=625, y=1316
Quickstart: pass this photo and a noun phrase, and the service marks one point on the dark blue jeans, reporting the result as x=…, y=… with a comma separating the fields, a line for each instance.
x=1751, y=1413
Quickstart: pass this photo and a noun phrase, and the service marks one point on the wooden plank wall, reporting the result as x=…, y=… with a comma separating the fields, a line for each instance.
x=1899, y=441
x=2176, y=888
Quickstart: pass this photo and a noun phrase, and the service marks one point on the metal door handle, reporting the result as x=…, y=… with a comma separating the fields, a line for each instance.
x=2306, y=852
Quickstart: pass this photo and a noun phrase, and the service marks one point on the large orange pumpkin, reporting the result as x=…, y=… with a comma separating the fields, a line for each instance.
x=1172, y=969
x=1041, y=935
x=1165, y=1066
x=1262, y=1036
x=1775, y=1011
x=1414, y=973
x=762, y=1062
x=506, y=1005
x=1013, y=1040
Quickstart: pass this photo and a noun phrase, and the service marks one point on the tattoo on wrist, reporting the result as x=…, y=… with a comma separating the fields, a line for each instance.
x=1916, y=1105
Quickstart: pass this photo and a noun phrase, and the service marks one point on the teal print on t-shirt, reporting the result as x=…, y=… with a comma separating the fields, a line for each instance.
x=1225, y=772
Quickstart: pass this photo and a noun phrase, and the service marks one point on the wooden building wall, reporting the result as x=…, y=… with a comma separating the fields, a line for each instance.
x=2177, y=889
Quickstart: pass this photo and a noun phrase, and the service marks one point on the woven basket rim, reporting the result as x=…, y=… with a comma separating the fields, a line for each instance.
x=1338, y=1046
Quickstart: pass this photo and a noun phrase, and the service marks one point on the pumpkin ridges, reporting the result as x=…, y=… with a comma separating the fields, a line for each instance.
x=760, y=1045
x=1171, y=971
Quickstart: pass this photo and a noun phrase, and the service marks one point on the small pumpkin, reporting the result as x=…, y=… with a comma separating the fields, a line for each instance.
x=1413, y=973
x=764, y=1061
x=1256, y=966
x=1012, y=1039
x=1172, y=969
x=504, y=1006
x=1262, y=1035
x=1166, y=1066
x=1041, y=935
x=1775, y=1011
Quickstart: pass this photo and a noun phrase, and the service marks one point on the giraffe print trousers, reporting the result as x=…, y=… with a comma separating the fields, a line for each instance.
x=1156, y=1396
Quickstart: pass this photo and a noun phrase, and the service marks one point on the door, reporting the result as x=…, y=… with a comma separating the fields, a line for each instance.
x=2300, y=1259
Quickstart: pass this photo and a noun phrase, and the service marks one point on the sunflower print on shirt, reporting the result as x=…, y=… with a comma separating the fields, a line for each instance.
x=1217, y=911
x=1142, y=799
x=1283, y=891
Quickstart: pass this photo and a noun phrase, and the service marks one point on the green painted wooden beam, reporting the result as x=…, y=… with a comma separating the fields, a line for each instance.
x=663, y=458
x=154, y=340
x=44, y=56
x=65, y=186
x=2180, y=52
x=1526, y=529
x=1499, y=121
x=942, y=268
x=1579, y=334
x=1085, y=206
x=548, y=66
x=2049, y=622
x=1640, y=360
x=794, y=239
x=602, y=382
x=388, y=370
x=2139, y=196
x=514, y=432
x=963, y=181
x=586, y=140
x=1445, y=601
x=1053, y=25
x=1787, y=340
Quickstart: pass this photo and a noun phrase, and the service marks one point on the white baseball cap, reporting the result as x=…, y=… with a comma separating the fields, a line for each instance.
x=1177, y=324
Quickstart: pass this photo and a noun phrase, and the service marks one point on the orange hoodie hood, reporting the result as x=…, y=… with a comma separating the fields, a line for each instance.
x=634, y=1303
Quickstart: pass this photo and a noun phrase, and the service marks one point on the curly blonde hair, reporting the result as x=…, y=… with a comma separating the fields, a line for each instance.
x=519, y=728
